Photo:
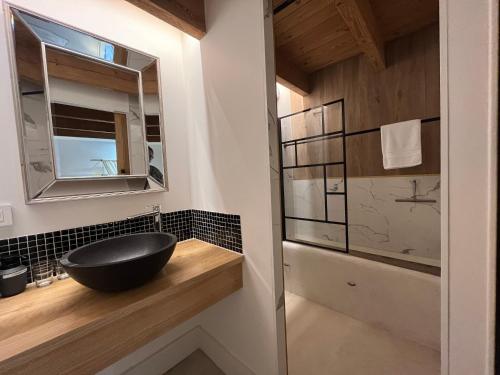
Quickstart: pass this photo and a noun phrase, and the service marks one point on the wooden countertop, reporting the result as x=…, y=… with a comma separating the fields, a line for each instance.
x=68, y=328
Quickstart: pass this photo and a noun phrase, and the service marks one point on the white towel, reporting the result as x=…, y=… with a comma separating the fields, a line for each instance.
x=401, y=144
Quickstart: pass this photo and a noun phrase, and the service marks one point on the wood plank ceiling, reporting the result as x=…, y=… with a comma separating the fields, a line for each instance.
x=312, y=34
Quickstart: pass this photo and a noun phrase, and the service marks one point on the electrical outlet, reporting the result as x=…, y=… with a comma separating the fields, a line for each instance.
x=5, y=215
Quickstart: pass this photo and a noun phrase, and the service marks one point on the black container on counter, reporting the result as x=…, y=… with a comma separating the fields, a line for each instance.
x=13, y=276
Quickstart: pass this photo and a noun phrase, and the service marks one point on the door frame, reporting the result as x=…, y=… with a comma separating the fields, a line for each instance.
x=464, y=26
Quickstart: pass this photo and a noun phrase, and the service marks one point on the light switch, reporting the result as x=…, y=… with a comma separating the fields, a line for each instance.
x=5, y=215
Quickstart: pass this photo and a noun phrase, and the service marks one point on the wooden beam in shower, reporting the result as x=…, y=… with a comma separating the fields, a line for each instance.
x=291, y=76
x=359, y=18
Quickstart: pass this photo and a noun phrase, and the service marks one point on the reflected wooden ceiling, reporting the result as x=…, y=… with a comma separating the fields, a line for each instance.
x=70, y=67
x=312, y=34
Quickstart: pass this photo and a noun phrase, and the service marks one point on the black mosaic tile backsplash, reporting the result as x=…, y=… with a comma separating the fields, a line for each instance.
x=179, y=223
x=220, y=229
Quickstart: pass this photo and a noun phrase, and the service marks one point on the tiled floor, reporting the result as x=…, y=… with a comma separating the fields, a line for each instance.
x=197, y=363
x=324, y=342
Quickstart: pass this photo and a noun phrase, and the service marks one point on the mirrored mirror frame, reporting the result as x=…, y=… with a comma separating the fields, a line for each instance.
x=88, y=181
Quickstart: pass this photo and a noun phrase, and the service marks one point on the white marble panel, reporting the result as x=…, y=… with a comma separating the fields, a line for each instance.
x=377, y=223
x=307, y=196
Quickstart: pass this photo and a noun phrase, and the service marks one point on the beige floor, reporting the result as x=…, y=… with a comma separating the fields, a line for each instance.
x=197, y=363
x=324, y=342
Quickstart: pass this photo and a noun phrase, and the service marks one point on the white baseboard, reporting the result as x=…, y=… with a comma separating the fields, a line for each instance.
x=174, y=352
x=168, y=356
x=225, y=360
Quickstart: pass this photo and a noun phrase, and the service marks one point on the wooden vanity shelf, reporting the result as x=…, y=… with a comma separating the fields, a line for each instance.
x=67, y=328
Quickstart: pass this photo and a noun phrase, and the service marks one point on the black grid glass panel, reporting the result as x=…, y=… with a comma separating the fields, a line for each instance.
x=314, y=156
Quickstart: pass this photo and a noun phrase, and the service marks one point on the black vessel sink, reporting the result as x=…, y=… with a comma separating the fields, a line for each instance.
x=120, y=263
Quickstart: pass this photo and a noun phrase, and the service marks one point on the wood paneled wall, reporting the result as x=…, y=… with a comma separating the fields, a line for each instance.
x=407, y=89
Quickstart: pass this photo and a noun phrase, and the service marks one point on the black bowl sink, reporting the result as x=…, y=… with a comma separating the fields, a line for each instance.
x=120, y=263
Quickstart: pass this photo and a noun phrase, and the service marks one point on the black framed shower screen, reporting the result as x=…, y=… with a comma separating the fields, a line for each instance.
x=323, y=136
x=323, y=165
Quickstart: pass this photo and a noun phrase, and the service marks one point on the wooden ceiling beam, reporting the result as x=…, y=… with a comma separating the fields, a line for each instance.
x=291, y=76
x=291, y=8
x=359, y=18
x=186, y=15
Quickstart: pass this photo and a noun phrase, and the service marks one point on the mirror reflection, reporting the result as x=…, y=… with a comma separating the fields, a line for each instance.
x=59, y=35
x=91, y=110
x=96, y=117
x=34, y=125
x=150, y=86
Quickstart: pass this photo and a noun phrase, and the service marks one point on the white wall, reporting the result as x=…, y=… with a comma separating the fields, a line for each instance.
x=284, y=100
x=471, y=108
x=214, y=93
x=124, y=23
x=230, y=172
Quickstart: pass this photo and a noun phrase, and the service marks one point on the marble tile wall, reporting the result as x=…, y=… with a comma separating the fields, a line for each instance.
x=377, y=223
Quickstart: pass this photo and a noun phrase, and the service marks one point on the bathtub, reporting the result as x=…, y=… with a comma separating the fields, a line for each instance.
x=402, y=301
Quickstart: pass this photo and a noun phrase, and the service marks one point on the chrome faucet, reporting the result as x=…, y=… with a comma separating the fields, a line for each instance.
x=155, y=212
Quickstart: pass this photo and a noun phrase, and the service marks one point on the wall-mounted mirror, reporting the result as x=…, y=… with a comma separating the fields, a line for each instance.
x=89, y=112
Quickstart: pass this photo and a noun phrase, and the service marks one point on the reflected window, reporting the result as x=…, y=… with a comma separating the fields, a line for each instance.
x=154, y=147
x=108, y=51
x=87, y=142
